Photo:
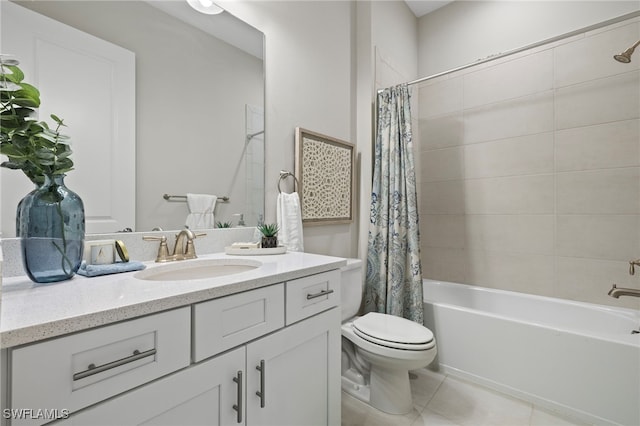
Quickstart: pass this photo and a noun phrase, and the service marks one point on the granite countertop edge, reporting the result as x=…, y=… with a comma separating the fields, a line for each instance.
x=18, y=334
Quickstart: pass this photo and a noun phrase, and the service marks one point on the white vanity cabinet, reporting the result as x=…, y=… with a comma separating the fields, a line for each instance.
x=72, y=372
x=292, y=375
x=267, y=356
x=297, y=373
x=298, y=383
x=203, y=394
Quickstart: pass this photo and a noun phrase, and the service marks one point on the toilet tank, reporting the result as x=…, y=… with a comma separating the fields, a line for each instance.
x=352, y=284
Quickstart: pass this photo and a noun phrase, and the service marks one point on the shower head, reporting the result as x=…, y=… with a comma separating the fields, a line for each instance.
x=625, y=57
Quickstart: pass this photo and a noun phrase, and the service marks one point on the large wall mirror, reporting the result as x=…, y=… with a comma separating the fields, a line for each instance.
x=197, y=113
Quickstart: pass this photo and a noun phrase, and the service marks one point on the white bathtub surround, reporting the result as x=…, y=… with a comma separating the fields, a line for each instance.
x=575, y=358
x=530, y=170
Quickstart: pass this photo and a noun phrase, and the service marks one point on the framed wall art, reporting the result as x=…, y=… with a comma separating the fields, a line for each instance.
x=325, y=170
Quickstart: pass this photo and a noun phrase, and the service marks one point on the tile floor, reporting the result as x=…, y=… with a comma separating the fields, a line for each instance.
x=441, y=400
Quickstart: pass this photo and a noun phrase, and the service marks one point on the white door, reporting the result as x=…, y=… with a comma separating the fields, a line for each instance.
x=90, y=83
x=300, y=377
x=205, y=394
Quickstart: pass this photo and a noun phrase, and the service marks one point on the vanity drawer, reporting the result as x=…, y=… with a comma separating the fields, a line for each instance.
x=75, y=371
x=311, y=295
x=230, y=321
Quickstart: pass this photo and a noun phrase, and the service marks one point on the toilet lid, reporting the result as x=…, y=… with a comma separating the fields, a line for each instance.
x=393, y=331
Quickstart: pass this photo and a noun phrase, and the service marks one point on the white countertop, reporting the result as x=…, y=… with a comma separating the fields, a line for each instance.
x=32, y=312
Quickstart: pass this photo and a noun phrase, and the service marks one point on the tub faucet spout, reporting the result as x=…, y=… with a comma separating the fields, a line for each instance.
x=621, y=291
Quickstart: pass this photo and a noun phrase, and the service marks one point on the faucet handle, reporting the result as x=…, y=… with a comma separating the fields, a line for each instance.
x=163, y=250
x=161, y=238
x=190, y=250
x=632, y=265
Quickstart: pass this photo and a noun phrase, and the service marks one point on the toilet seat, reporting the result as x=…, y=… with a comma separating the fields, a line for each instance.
x=393, y=332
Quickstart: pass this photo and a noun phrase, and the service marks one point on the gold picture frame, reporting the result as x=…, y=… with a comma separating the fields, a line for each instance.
x=324, y=167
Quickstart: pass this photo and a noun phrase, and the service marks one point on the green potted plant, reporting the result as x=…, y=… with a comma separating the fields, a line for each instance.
x=30, y=145
x=50, y=219
x=223, y=224
x=269, y=234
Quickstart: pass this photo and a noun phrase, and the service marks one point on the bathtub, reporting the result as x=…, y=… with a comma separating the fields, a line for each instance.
x=578, y=359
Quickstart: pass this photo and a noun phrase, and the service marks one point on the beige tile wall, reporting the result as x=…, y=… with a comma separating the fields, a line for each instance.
x=530, y=170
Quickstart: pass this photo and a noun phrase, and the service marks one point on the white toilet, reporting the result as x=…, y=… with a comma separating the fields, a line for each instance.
x=378, y=350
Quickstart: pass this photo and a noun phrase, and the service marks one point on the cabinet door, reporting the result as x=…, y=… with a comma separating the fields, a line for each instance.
x=205, y=394
x=299, y=376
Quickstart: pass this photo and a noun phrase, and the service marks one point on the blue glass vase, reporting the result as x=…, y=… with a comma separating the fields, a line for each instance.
x=51, y=230
x=19, y=209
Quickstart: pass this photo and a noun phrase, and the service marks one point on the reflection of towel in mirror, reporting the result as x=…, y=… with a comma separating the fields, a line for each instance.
x=289, y=217
x=200, y=211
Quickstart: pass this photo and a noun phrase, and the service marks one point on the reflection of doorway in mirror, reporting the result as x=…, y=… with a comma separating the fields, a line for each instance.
x=254, y=163
x=0, y=208
x=90, y=83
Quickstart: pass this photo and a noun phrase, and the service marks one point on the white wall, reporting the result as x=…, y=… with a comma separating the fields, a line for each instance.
x=465, y=31
x=395, y=39
x=321, y=72
x=1, y=206
x=386, y=55
x=308, y=84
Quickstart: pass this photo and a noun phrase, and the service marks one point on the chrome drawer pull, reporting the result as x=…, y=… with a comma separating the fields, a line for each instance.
x=319, y=294
x=238, y=406
x=260, y=393
x=93, y=369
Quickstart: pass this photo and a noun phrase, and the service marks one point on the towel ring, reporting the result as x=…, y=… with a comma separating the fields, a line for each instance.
x=283, y=175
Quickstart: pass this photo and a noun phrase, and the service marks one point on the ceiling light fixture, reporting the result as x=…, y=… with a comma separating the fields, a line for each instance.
x=205, y=6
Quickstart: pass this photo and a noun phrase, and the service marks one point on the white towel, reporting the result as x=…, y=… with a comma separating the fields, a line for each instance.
x=289, y=215
x=200, y=211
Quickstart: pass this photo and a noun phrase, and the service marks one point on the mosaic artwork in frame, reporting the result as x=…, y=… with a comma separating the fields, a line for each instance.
x=325, y=170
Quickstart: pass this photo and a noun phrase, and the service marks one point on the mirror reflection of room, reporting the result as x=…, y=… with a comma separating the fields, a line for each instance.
x=164, y=119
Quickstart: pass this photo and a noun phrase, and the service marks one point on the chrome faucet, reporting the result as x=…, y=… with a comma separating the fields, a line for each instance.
x=632, y=265
x=182, y=250
x=621, y=291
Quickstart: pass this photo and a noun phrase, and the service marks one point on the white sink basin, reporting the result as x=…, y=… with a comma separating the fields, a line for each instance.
x=197, y=269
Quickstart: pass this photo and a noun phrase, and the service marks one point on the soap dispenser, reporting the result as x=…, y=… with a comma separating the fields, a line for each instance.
x=241, y=220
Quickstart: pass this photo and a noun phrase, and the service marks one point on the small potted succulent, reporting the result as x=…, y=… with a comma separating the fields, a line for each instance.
x=220, y=224
x=269, y=234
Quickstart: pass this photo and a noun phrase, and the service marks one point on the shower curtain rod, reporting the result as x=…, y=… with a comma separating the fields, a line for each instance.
x=527, y=47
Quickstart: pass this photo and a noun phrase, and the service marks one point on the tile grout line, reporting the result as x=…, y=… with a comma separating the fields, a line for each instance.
x=446, y=377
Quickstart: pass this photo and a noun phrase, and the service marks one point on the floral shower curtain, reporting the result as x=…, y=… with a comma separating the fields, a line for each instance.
x=394, y=276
